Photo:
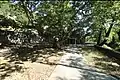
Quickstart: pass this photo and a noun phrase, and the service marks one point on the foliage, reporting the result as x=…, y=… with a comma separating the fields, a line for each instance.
x=106, y=17
x=61, y=20
x=11, y=11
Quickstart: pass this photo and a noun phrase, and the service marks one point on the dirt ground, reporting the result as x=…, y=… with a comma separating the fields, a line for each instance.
x=34, y=71
x=40, y=69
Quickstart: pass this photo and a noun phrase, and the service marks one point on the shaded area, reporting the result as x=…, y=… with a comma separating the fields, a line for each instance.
x=6, y=69
x=107, y=64
x=17, y=55
x=88, y=75
x=30, y=53
x=105, y=60
x=59, y=78
x=108, y=52
x=72, y=67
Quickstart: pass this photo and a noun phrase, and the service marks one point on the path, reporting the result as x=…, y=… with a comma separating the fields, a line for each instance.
x=72, y=67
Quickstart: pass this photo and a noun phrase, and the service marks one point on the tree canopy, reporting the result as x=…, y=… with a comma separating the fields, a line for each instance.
x=96, y=21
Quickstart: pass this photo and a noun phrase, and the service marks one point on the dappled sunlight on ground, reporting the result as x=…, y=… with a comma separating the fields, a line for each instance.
x=34, y=71
x=6, y=68
x=102, y=62
x=25, y=63
x=73, y=67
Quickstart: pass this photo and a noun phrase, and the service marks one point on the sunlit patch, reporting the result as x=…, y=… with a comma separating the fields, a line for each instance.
x=101, y=62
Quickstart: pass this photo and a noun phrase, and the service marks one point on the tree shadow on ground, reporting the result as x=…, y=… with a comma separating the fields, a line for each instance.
x=18, y=54
x=25, y=53
x=75, y=61
x=108, y=65
x=6, y=69
x=89, y=75
x=59, y=78
x=101, y=61
x=87, y=72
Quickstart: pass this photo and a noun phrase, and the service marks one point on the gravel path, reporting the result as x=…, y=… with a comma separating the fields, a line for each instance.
x=72, y=67
x=35, y=71
x=39, y=70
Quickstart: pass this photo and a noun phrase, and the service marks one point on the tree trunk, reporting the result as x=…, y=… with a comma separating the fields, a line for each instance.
x=108, y=33
x=56, y=44
x=28, y=13
x=99, y=37
x=118, y=34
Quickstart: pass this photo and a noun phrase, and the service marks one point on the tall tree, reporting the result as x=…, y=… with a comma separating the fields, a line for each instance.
x=106, y=16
